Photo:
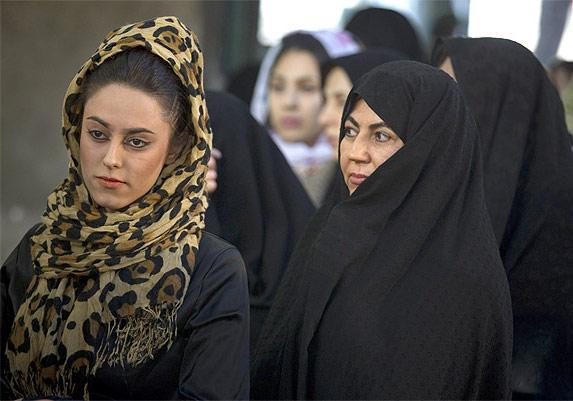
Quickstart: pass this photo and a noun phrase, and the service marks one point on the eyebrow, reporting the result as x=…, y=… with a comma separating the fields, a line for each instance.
x=127, y=131
x=298, y=79
x=381, y=124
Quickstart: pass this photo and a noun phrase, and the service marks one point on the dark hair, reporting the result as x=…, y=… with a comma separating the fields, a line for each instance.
x=303, y=42
x=140, y=69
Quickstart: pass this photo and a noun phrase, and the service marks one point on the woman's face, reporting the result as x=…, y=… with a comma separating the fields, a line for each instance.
x=295, y=98
x=367, y=143
x=124, y=144
x=337, y=85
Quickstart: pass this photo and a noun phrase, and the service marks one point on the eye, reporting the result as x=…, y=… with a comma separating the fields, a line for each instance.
x=97, y=135
x=137, y=143
x=349, y=132
x=382, y=136
x=276, y=87
x=309, y=88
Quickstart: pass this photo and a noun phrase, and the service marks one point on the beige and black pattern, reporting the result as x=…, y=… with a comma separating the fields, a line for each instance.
x=107, y=285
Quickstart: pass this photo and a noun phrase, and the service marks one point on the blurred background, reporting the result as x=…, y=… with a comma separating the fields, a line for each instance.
x=43, y=44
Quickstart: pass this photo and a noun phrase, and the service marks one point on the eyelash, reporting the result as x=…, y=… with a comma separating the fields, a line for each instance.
x=384, y=134
x=349, y=132
x=95, y=135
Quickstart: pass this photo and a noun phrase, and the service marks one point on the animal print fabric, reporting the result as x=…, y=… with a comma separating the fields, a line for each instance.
x=107, y=285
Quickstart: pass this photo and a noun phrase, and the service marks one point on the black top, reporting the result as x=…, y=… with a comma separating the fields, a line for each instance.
x=259, y=205
x=528, y=177
x=208, y=360
x=397, y=291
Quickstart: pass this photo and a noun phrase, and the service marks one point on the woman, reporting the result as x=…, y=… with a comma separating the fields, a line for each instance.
x=338, y=76
x=288, y=99
x=396, y=290
x=528, y=170
x=118, y=292
x=259, y=205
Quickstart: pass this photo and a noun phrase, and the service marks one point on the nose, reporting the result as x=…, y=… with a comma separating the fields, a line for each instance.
x=360, y=152
x=290, y=98
x=113, y=155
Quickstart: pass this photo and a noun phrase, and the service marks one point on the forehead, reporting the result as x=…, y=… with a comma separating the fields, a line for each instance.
x=123, y=105
x=296, y=64
x=337, y=79
x=363, y=114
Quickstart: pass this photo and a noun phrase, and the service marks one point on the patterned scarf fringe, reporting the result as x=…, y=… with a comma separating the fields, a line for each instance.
x=128, y=342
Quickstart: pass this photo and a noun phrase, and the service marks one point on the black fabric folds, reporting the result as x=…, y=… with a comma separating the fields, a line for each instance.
x=381, y=27
x=259, y=205
x=397, y=292
x=356, y=65
x=528, y=175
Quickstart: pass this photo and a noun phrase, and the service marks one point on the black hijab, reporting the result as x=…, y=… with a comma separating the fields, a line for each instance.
x=528, y=176
x=259, y=205
x=380, y=27
x=397, y=292
x=358, y=64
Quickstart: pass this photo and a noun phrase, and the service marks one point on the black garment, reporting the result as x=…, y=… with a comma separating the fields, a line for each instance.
x=242, y=83
x=259, y=205
x=380, y=27
x=528, y=179
x=397, y=291
x=208, y=360
x=356, y=65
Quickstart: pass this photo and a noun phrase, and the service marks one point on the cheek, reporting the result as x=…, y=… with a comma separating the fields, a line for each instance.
x=386, y=152
x=88, y=153
x=344, y=150
x=311, y=106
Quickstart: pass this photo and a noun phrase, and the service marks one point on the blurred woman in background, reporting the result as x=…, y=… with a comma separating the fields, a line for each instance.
x=288, y=99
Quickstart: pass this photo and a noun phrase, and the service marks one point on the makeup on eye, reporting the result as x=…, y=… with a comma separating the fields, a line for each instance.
x=100, y=135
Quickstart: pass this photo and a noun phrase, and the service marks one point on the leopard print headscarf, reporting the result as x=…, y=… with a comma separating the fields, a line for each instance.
x=107, y=285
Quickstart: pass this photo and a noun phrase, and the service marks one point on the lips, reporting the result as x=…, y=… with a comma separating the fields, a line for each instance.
x=357, y=178
x=290, y=122
x=109, y=182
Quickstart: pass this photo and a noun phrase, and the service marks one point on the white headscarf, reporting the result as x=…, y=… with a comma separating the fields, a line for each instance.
x=335, y=43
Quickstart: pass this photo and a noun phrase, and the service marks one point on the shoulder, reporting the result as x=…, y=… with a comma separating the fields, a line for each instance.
x=17, y=270
x=216, y=254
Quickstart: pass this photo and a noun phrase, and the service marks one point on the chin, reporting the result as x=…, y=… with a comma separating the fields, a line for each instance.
x=110, y=204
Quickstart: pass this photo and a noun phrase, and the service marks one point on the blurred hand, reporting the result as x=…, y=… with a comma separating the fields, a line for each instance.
x=212, y=172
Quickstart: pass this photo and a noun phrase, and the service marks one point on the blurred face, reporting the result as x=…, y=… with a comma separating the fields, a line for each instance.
x=337, y=85
x=124, y=144
x=367, y=143
x=448, y=67
x=295, y=98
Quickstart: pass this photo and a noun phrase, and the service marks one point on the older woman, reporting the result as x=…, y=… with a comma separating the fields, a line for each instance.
x=396, y=291
x=118, y=292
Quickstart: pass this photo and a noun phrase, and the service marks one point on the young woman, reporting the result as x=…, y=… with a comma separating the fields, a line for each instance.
x=259, y=205
x=118, y=293
x=528, y=170
x=396, y=290
x=288, y=99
